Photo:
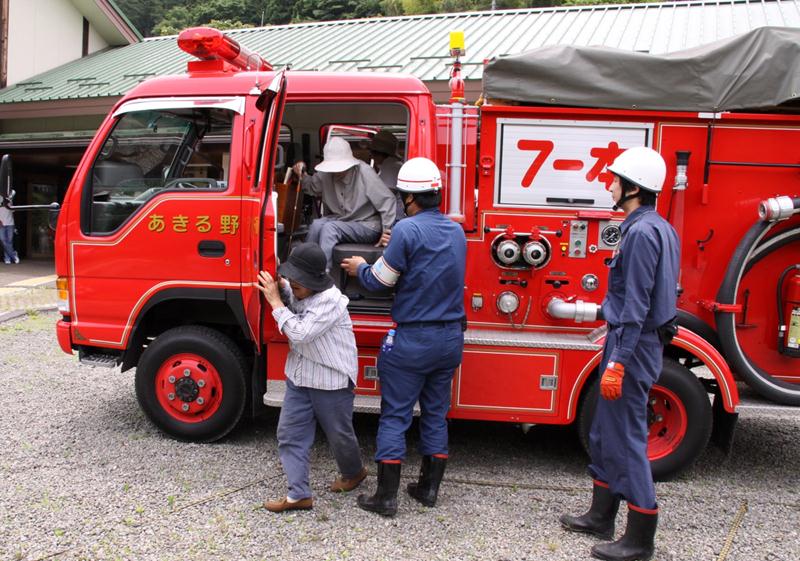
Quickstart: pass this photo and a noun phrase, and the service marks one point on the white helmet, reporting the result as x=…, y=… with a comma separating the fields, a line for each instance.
x=419, y=175
x=641, y=166
x=336, y=156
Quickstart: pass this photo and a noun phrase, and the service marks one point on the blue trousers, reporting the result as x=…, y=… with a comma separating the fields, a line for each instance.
x=327, y=232
x=618, y=437
x=419, y=367
x=302, y=409
x=7, y=240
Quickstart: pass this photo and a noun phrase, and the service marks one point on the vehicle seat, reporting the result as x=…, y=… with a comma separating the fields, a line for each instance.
x=350, y=286
x=109, y=174
x=108, y=212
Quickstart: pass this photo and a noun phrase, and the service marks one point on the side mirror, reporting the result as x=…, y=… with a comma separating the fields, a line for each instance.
x=5, y=177
x=52, y=216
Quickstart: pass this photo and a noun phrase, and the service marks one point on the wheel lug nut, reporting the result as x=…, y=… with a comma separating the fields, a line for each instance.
x=171, y=396
x=653, y=401
x=200, y=401
x=185, y=406
x=171, y=379
x=187, y=372
x=659, y=418
x=201, y=383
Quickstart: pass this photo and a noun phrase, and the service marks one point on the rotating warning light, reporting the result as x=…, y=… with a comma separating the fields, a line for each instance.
x=207, y=43
x=457, y=43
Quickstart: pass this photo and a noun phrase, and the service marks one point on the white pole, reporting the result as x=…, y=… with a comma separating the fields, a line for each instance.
x=455, y=164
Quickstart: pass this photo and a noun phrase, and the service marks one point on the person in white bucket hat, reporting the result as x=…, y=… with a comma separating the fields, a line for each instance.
x=359, y=207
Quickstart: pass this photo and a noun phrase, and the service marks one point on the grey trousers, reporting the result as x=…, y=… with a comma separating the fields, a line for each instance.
x=302, y=409
x=328, y=231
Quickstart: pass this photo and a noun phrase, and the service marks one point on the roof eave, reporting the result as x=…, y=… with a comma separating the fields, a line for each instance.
x=109, y=21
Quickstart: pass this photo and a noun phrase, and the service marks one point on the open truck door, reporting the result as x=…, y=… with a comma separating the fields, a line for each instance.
x=261, y=204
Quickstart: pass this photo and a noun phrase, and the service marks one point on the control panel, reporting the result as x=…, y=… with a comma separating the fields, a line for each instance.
x=578, y=234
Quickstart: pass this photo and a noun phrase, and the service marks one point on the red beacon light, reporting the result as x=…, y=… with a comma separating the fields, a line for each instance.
x=215, y=50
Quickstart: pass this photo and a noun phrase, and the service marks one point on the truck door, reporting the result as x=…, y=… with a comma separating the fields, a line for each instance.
x=261, y=250
x=157, y=215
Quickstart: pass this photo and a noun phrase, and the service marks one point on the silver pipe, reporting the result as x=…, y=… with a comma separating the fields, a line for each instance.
x=455, y=164
x=579, y=311
x=51, y=206
x=541, y=231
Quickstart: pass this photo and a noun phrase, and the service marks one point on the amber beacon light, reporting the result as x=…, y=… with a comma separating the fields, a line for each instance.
x=207, y=43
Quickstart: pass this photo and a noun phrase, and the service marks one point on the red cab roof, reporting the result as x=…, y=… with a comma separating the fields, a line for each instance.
x=299, y=84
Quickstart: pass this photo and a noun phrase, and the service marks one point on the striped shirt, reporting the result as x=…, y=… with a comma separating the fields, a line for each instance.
x=323, y=353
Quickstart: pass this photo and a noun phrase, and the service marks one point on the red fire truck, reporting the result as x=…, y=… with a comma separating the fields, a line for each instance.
x=180, y=200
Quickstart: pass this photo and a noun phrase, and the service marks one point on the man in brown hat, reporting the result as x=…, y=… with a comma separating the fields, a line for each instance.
x=359, y=207
x=383, y=151
x=320, y=370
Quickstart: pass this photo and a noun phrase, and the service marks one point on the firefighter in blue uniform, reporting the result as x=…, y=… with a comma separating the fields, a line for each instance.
x=640, y=307
x=424, y=262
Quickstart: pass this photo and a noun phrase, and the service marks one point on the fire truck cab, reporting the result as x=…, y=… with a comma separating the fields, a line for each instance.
x=182, y=197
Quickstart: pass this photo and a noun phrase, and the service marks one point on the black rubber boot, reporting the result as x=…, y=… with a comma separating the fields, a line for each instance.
x=384, y=501
x=600, y=518
x=430, y=477
x=636, y=544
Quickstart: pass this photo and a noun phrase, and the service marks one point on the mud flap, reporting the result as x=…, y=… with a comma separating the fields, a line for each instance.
x=258, y=386
x=724, y=426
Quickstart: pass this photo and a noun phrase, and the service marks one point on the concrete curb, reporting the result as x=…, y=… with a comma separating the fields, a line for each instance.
x=14, y=314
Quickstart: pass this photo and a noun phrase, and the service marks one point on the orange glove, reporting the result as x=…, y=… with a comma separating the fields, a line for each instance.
x=611, y=382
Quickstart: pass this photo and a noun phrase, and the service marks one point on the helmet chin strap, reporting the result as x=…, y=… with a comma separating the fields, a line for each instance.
x=406, y=203
x=624, y=199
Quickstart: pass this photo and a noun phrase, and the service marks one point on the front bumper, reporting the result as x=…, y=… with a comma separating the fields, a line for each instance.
x=64, y=336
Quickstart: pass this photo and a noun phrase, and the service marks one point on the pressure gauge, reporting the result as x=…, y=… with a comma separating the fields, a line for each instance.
x=611, y=235
x=507, y=302
x=507, y=252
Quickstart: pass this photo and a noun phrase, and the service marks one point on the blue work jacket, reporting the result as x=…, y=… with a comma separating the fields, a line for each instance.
x=427, y=257
x=642, y=279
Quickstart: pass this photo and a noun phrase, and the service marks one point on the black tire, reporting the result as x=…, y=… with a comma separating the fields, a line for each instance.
x=684, y=386
x=221, y=355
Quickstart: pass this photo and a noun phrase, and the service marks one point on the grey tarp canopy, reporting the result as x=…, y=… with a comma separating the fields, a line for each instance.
x=759, y=70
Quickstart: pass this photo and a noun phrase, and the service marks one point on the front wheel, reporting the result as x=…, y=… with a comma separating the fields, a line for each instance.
x=678, y=415
x=190, y=382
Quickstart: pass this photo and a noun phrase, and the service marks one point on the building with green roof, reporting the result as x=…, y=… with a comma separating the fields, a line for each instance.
x=47, y=120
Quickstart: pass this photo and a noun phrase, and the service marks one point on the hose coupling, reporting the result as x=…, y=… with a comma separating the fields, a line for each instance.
x=579, y=311
x=778, y=208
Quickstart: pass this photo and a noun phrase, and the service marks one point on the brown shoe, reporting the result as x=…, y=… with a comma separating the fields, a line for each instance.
x=344, y=484
x=284, y=504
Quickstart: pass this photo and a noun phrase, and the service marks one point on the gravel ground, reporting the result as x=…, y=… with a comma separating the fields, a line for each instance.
x=85, y=476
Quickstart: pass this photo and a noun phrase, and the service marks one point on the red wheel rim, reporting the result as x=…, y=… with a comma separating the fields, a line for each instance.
x=188, y=388
x=668, y=422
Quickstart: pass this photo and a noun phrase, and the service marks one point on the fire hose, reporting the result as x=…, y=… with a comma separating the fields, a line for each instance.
x=753, y=247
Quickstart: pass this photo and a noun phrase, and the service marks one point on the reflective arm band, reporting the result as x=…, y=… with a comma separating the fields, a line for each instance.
x=384, y=273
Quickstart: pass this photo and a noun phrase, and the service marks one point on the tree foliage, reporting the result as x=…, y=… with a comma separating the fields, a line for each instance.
x=168, y=17
x=325, y=10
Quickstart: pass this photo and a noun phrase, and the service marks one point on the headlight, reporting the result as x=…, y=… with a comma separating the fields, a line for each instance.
x=62, y=287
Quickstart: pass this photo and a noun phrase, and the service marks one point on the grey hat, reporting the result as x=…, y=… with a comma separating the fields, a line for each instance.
x=306, y=266
x=384, y=143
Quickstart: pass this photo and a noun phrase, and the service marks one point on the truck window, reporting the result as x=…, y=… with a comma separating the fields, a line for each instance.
x=152, y=151
x=359, y=137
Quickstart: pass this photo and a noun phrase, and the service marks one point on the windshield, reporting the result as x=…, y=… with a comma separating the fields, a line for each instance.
x=156, y=150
